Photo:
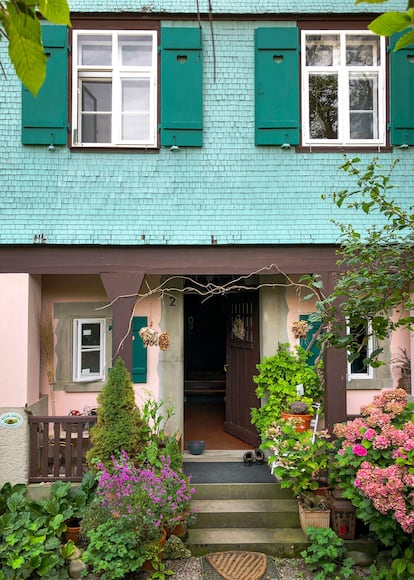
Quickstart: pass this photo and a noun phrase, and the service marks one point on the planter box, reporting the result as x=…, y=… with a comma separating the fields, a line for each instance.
x=314, y=518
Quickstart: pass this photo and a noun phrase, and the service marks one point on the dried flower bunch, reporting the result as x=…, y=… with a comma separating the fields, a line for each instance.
x=300, y=329
x=150, y=337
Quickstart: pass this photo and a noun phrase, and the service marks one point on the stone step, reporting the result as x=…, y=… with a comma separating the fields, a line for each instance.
x=286, y=542
x=260, y=513
x=241, y=491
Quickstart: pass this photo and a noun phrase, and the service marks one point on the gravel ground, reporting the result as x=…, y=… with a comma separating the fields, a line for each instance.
x=287, y=569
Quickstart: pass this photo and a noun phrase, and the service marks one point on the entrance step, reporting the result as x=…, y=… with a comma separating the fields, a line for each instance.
x=253, y=517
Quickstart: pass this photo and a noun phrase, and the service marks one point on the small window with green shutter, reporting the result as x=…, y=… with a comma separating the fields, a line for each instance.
x=277, y=86
x=181, y=87
x=44, y=118
x=139, y=352
x=401, y=92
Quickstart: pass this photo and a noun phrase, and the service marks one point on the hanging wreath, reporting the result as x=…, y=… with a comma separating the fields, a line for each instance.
x=300, y=329
x=238, y=328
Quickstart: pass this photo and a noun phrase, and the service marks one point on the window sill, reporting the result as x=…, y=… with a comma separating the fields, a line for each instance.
x=342, y=149
x=78, y=148
x=368, y=384
x=82, y=387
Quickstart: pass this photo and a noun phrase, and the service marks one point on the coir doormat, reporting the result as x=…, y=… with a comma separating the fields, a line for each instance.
x=238, y=565
x=227, y=472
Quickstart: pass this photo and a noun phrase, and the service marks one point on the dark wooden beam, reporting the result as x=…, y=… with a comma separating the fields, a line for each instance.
x=237, y=260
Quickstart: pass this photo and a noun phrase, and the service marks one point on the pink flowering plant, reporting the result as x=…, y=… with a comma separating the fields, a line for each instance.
x=298, y=459
x=136, y=504
x=375, y=466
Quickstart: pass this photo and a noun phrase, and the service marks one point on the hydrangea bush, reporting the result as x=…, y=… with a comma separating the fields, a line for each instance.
x=375, y=466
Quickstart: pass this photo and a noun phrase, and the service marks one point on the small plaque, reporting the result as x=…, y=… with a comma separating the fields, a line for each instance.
x=11, y=420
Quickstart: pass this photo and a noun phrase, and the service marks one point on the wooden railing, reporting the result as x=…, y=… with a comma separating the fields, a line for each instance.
x=58, y=447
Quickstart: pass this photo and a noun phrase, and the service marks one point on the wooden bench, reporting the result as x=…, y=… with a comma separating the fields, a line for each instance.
x=204, y=387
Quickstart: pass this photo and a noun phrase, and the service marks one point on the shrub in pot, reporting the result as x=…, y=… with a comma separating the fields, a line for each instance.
x=277, y=382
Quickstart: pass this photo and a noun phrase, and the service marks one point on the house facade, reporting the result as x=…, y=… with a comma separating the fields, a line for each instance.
x=169, y=176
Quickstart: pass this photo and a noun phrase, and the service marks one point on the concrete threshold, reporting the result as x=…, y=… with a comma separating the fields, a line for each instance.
x=219, y=455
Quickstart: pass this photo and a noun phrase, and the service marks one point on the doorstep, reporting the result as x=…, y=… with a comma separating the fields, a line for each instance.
x=216, y=455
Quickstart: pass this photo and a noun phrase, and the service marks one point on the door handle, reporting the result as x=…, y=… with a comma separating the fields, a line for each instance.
x=226, y=368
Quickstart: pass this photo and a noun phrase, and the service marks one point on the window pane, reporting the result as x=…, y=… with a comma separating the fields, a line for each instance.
x=96, y=128
x=323, y=106
x=91, y=334
x=135, y=95
x=135, y=50
x=95, y=50
x=135, y=109
x=359, y=334
x=90, y=362
x=363, y=98
x=96, y=96
x=362, y=50
x=322, y=50
x=135, y=127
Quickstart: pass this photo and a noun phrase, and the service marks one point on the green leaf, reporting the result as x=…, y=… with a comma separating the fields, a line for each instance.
x=390, y=22
x=25, y=48
x=56, y=11
x=405, y=40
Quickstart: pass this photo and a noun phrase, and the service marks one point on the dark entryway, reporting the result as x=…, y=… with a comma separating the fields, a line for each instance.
x=221, y=349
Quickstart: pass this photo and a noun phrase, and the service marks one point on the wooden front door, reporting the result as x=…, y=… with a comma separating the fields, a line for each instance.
x=243, y=354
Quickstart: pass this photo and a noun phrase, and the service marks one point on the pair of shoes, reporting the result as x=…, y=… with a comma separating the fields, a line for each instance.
x=257, y=456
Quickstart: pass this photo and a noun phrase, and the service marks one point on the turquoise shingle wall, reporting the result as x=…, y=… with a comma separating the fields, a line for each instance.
x=229, y=188
x=232, y=6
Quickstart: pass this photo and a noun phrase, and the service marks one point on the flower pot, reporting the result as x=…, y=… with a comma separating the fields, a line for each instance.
x=72, y=530
x=316, y=518
x=305, y=421
x=196, y=447
x=147, y=565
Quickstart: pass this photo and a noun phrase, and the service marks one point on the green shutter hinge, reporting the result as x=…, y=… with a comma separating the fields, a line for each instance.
x=110, y=327
x=159, y=49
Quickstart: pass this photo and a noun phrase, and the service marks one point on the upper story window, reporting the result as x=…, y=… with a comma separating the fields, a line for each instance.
x=343, y=88
x=114, y=99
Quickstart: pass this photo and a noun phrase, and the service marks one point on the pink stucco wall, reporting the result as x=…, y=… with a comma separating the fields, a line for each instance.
x=19, y=339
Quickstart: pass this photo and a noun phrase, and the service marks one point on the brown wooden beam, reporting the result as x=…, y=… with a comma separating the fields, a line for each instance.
x=121, y=291
x=189, y=260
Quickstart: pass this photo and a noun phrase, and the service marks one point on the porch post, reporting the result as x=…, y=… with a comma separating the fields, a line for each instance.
x=122, y=288
x=335, y=374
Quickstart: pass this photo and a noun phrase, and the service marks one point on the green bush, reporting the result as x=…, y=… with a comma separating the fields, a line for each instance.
x=326, y=555
x=276, y=383
x=120, y=425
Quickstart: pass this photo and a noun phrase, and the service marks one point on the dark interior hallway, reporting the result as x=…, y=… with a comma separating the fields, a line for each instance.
x=203, y=419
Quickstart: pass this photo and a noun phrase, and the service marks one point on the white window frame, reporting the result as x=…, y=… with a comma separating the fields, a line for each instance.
x=78, y=375
x=369, y=374
x=344, y=72
x=115, y=73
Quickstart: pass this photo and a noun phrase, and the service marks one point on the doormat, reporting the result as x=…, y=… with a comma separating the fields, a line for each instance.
x=235, y=565
x=227, y=472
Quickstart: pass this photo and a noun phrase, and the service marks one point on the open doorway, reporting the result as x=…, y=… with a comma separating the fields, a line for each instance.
x=206, y=327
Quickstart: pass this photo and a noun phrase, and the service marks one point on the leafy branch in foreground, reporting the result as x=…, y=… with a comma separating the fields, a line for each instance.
x=377, y=265
x=20, y=25
x=391, y=22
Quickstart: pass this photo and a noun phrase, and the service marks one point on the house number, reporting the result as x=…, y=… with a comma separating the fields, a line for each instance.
x=173, y=300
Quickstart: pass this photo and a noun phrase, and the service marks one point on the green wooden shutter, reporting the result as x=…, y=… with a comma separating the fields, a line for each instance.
x=313, y=327
x=181, y=87
x=44, y=118
x=277, y=86
x=401, y=94
x=139, y=352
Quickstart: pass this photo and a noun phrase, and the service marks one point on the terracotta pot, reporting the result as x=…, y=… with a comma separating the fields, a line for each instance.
x=180, y=529
x=72, y=533
x=147, y=565
x=305, y=421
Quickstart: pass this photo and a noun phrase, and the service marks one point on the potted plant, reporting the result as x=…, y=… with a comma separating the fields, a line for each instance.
x=299, y=410
x=298, y=459
x=278, y=383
